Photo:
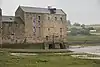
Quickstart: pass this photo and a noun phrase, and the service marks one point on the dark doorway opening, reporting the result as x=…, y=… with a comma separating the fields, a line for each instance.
x=51, y=46
x=61, y=46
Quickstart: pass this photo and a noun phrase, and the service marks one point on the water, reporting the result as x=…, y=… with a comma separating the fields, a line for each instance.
x=90, y=49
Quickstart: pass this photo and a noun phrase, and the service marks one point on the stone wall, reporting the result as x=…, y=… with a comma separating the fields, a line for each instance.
x=33, y=27
x=0, y=26
x=54, y=25
x=47, y=25
x=20, y=30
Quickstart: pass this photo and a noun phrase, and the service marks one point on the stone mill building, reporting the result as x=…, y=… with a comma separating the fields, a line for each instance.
x=34, y=25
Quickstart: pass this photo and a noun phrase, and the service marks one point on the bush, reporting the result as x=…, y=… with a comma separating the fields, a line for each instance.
x=75, y=31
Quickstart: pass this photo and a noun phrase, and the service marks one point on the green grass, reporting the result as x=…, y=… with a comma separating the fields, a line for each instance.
x=51, y=61
x=84, y=45
x=90, y=40
x=83, y=38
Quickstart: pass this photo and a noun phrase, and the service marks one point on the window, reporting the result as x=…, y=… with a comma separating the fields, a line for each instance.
x=48, y=18
x=48, y=29
x=55, y=18
x=56, y=36
x=34, y=34
x=60, y=36
x=39, y=22
x=61, y=30
x=34, y=29
x=61, y=18
x=39, y=17
x=46, y=37
x=34, y=21
x=39, y=32
x=16, y=41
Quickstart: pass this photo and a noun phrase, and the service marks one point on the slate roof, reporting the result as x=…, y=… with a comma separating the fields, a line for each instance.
x=40, y=10
x=8, y=18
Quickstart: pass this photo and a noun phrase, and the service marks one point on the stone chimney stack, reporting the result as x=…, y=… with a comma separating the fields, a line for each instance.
x=49, y=7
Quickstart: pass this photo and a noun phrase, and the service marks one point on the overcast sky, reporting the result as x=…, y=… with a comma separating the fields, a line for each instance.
x=82, y=11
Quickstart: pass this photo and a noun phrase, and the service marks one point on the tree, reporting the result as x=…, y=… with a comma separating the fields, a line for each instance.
x=76, y=24
x=91, y=28
x=73, y=31
x=84, y=31
x=83, y=26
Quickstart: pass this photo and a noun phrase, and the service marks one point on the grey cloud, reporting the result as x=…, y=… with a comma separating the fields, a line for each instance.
x=0, y=3
x=83, y=11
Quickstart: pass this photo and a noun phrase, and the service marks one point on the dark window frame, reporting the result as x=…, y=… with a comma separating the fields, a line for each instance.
x=48, y=29
x=47, y=37
x=39, y=17
x=39, y=22
x=61, y=30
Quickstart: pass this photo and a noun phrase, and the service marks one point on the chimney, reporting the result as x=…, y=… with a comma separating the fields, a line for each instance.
x=52, y=10
x=49, y=7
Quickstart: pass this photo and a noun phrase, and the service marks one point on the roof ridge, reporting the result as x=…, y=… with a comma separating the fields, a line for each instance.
x=38, y=7
x=40, y=10
x=33, y=7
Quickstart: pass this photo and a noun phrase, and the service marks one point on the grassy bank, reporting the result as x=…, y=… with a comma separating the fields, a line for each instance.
x=45, y=61
x=84, y=40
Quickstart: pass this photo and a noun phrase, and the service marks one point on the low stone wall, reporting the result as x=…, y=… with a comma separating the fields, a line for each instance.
x=23, y=46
